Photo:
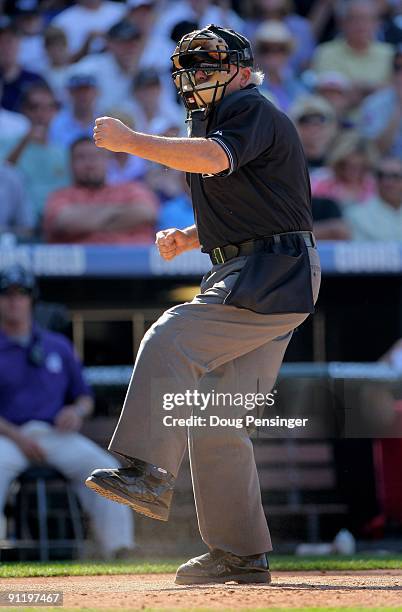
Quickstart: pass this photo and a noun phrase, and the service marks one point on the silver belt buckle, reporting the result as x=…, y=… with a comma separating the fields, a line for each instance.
x=219, y=255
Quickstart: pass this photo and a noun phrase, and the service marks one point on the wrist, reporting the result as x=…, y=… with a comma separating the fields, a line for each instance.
x=191, y=233
x=128, y=142
x=15, y=435
x=80, y=410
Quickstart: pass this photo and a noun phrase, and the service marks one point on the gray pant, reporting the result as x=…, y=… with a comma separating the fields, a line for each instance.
x=207, y=345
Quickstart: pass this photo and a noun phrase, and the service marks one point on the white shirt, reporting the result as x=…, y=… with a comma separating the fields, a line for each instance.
x=78, y=21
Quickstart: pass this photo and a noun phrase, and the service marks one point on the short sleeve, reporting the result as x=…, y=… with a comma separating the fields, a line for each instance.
x=24, y=216
x=244, y=134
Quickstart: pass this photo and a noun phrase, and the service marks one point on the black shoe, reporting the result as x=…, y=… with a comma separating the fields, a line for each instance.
x=145, y=489
x=220, y=566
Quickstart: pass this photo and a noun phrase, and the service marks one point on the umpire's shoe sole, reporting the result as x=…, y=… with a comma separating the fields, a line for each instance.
x=141, y=493
x=219, y=567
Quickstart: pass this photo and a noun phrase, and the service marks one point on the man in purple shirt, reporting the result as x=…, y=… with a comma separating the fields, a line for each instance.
x=43, y=401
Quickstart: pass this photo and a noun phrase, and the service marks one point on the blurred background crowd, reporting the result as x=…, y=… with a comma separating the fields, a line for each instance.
x=334, y=67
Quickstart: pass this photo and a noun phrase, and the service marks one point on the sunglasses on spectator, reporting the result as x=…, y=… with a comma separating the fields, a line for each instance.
x=51, y=106
x=273, y=48
x=396, y=176
x=313, y=119
x=15, y=290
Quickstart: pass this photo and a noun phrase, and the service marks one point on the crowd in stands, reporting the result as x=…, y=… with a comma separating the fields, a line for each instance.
x=334, y=66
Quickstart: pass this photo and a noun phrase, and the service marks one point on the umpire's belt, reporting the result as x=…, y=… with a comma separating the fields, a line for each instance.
x=221, y=254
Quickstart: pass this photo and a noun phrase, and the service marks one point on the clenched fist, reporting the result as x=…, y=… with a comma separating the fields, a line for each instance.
x=111, y=134
x=172, y=242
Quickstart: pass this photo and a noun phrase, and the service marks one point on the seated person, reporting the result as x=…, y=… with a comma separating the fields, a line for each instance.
x=15, y=78
x=43, y=401
x=348, y=179
x=336, y=89
x=381, y=113
x=16, y=213
x=316, y=123
x=357, y=53
x=274, y=46
x=381, y=217
x=78, y=117
x=92, y=212
x=43, y=163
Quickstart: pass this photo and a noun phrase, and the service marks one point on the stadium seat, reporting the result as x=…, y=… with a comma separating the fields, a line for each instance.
x=35, y=487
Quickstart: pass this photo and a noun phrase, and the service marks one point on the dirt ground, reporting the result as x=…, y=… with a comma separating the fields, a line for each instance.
x=288, y=589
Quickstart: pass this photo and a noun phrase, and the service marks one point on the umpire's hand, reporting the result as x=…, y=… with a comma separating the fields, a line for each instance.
x=172, y=242
x=112, y=134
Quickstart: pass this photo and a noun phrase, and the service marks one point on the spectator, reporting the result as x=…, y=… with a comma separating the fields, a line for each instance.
x=12, y=125
x=15, y=78
x=201, y=12
x=43, y=164
x=336, y=89
x=281, y=10
x=30, y=24
x=16, y=214
x=77, y=119
x=149, y=104
x=144, y=15
x=274, y=44
x=43, y=402
x=381, y=113
x=85, y=21
x=348, y=178
x=316, y=123
x=328, y=221
x=92, y=212
x=381, y=217
x=57, y=62
x=117, y=66
x=357, y=54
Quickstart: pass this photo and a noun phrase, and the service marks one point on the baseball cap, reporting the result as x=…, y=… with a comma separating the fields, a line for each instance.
x=17, y=276
x=332, y=79
x=133, y=4
x=124, y=30
x=146, y=77
x=274, y=32
x=312, y=105
x=81, y=80
x=26, y=7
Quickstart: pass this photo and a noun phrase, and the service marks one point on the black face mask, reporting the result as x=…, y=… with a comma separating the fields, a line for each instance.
x=220, y=48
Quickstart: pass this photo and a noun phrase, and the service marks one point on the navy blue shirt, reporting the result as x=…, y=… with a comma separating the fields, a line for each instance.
x=13, y=90
x=266, y=189
x=37, y=380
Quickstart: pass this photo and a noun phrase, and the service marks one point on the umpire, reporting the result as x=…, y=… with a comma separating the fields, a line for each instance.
x=251, y=197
